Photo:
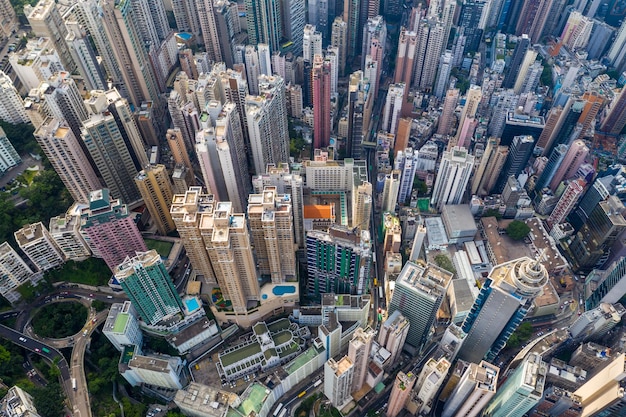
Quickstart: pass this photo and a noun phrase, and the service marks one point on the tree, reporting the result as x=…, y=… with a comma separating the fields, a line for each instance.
x=21, y=135
x=49, y=400
x=444, y=262
x=98, y=305
x=517, y=230
x=492, y=213
x=5, y=355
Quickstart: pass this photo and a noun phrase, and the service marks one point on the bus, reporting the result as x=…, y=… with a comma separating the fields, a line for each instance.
x=375, y=282
x=74, y=384
x=277, y=411
x=283, y=413
x=45, y=349
x=380, y=292
x=302, y=394
x=317, y=383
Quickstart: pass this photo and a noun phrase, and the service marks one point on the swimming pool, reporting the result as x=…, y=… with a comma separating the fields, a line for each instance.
x=284, y=289
x=184, y=36
x=192, y=304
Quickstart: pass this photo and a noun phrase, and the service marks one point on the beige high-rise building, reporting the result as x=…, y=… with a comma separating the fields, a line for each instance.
x=155, y=188
x=359, y=353
x=362, y=205
x=400, y=393
x=491, y=171
x=45, y=20
x=68, y=159
x=428, y=383
x=474, y=390
x=604, y=388
x=529, y=58
x=35, y=241
x=8, y=20
x=339, y=40
x=271, y=227
x=176, y=144
x=392, y=334
x=338, y=377
x=186, y=211
x=227, y=241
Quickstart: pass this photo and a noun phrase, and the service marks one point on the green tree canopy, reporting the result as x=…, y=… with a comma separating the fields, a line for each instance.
x=517, y=230
x=444, y=262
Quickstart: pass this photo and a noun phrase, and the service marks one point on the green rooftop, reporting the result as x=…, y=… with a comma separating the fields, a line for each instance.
x=278, y=325
x=257, y=394
x=282, y=337
x=120, y=322
x=292, y=348
x=302, y=359
x=240, y=354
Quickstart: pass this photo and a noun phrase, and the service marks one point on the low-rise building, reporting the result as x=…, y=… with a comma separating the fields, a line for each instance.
x=268, y=346
x=198, y=400
x=459, y=223
x=122, y=326
x=193, y=335
x=160, y=371
x=18, y=403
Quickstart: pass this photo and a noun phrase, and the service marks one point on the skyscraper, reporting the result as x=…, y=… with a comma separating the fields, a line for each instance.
x=210, y=34
x=393, y=333
x=46, y=20
x=518, y=56
x=149, y=287
x=264, y=23
x=407, y=48
x=84, y=56
x=474, y=390
x=13, y=272
x=321, y=102
x=110, y=229
x=8, y=20
x=393, y=107
x=11, y=104
x=227, y=242
x=500, y=307
x=597, y=235
x=359, y=350
x=574, y=158
x=111, y=156
x=390, y=191
x=602, y=391
x=407, y=165
x=68, y=159
x=338, y=376
x=8, y=155
x=447, y=119
x=615, y=120
x=400, y=393
x=532, y=19
x=516, y=160
x=35, y=241
x=430, y=45
x=567, y=202
x=121, y=25
x=339, y=39
x=187, y=211
x=266, y=116
x=155, y=188
x=554, y=162
x=418, y=295
x=338, y=261
x=521, y=391
x=285, y=183
x=271, y=228
x=452, y=178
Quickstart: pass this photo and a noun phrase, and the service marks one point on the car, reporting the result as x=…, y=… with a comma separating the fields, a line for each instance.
x=23, y=339
x=37, y=350
x=91, y=295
